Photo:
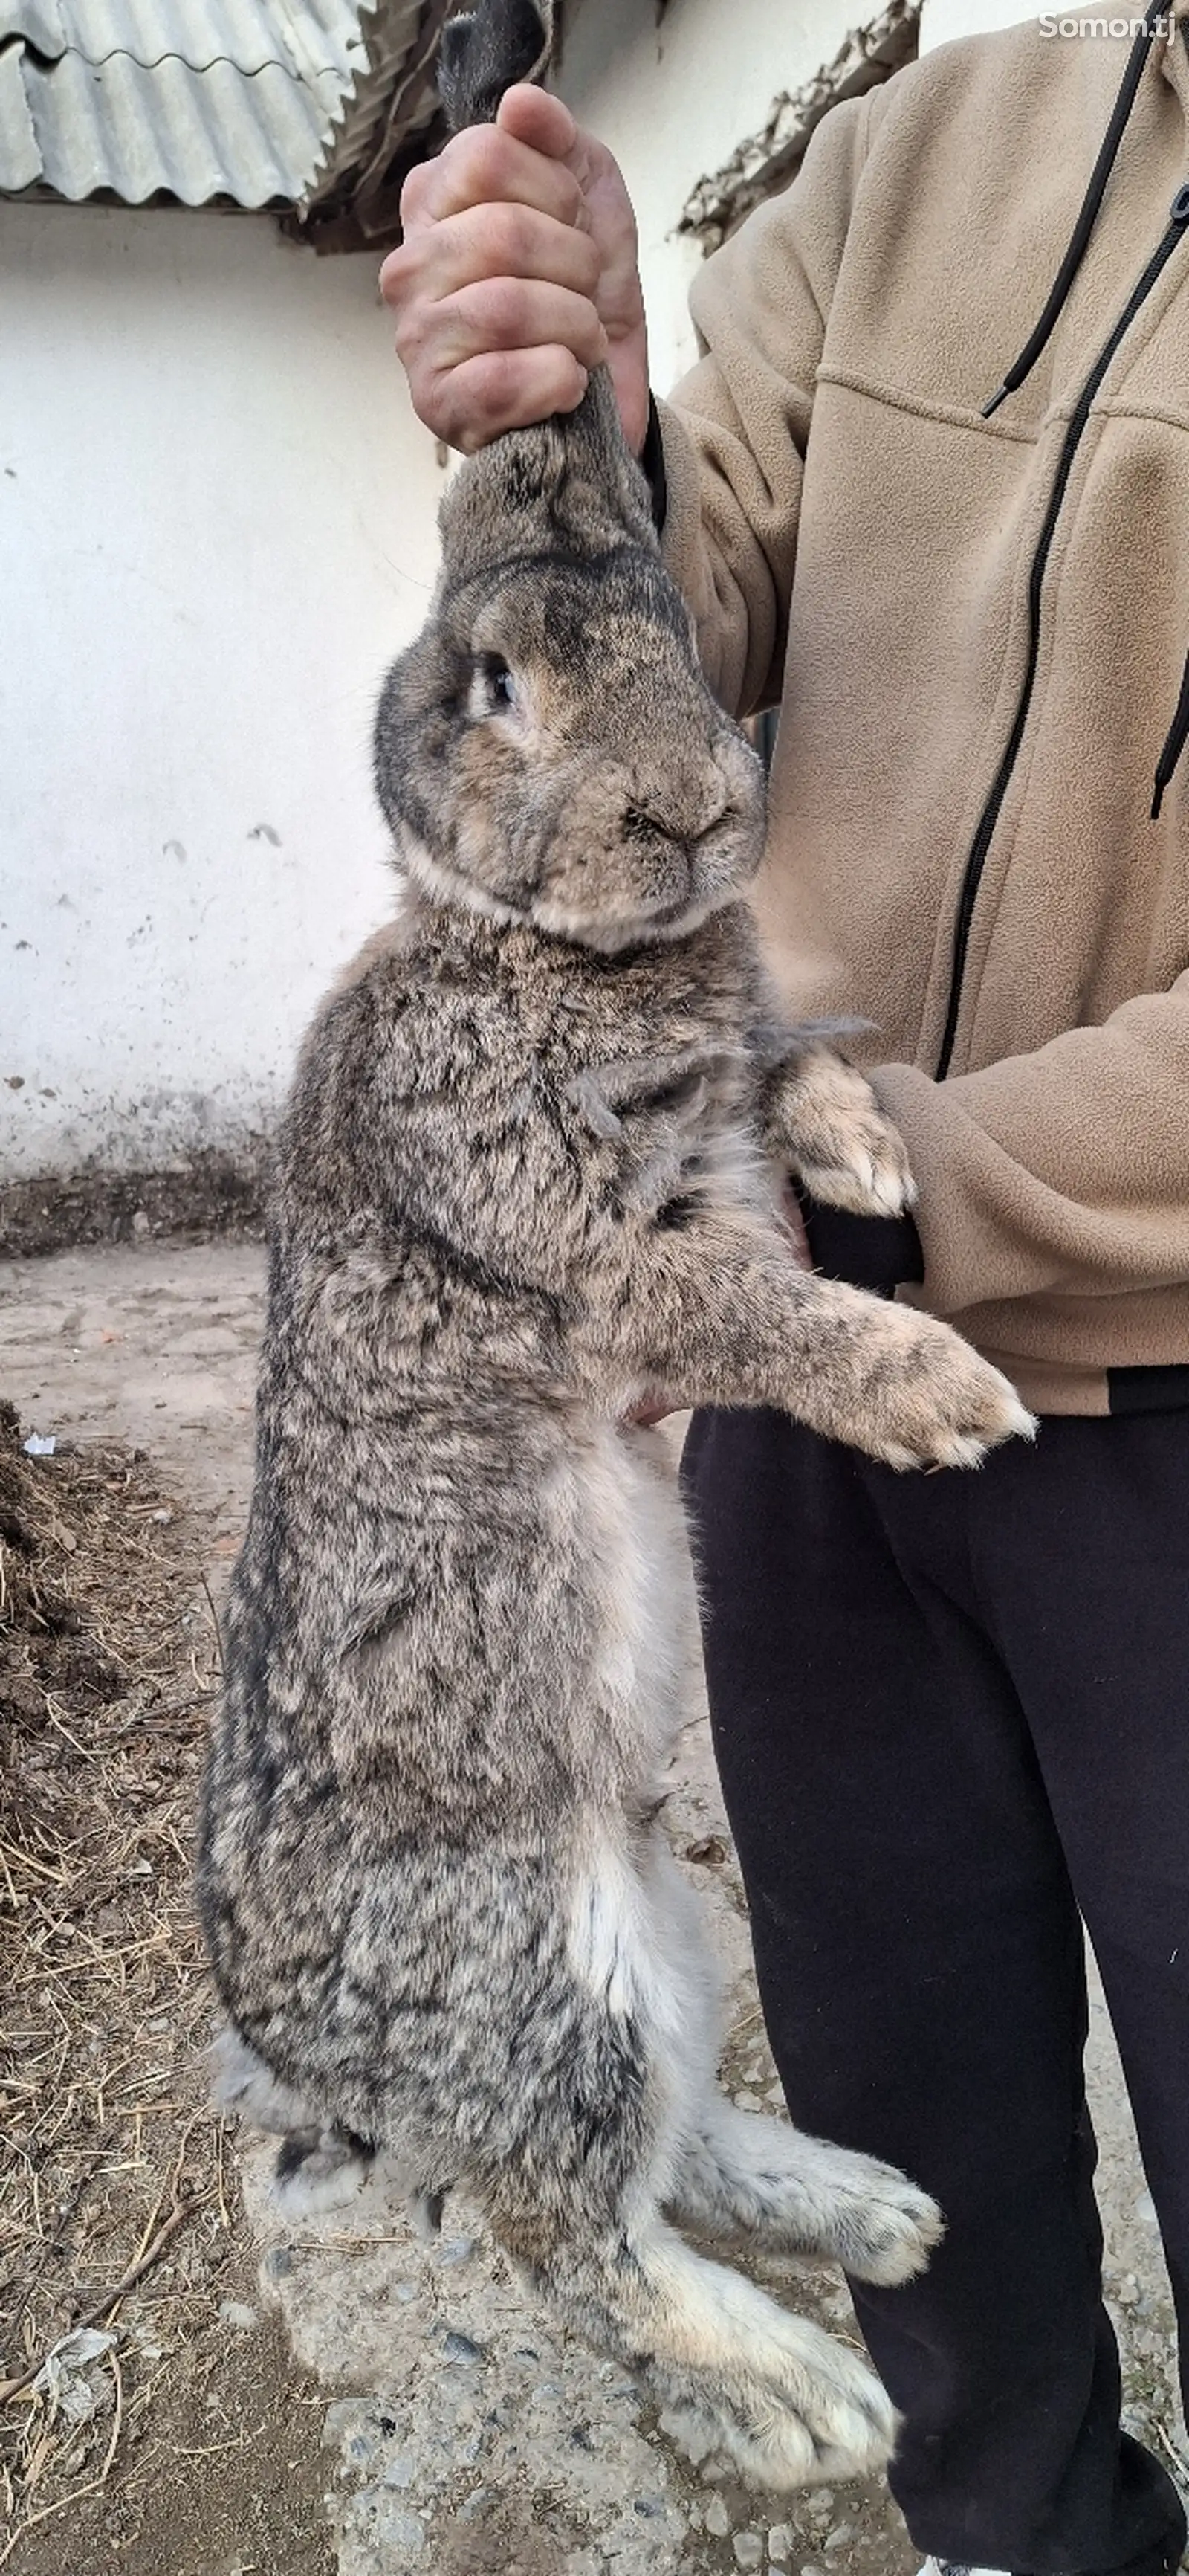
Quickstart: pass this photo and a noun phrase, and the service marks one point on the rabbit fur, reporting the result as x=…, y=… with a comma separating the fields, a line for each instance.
x=529, y=1175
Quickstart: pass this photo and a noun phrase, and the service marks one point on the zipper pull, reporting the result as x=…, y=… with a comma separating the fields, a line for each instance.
x=1178, y=212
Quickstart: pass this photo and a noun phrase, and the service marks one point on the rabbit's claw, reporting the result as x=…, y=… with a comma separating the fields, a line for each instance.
x=930, y=1401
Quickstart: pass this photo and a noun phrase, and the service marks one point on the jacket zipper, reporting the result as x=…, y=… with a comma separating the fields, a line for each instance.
x=1178, y=219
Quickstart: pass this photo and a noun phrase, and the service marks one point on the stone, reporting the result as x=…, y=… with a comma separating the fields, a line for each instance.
x=749, y=2549
x=718, y=2519
x=347, y=2421
x=780, y=2544
x=399, y=2529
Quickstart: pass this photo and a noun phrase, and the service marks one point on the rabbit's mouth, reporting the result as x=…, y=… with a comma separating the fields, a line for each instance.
x=725, y=856
x=646, y=877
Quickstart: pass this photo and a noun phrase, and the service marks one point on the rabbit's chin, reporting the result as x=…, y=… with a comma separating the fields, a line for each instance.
x=634, y=931
x=448, y=886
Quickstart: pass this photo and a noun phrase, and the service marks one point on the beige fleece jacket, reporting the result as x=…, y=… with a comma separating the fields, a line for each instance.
x=858, y=543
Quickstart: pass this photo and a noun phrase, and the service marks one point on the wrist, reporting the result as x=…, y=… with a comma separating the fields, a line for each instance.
x=880, y=1253
x=627, y=357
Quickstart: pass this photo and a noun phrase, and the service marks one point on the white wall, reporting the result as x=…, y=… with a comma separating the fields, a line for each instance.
x=674, y=100
x=944, y=20
x=216, y=527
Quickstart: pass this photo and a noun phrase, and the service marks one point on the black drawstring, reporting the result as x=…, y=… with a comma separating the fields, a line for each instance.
x=1088, y=215
x=1174, y=743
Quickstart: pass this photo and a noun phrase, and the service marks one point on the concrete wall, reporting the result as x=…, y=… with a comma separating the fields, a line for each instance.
x=216, y=526
x=673, y=100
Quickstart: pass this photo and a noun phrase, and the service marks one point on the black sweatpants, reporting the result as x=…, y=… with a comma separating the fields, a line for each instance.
x=950, y=1711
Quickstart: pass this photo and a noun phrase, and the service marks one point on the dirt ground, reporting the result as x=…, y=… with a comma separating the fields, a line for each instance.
x=342, y=2399
x=169, y=2426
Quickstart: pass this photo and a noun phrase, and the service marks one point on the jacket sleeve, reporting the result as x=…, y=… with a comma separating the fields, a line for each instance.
x=735, y=430
x=1066, y=1170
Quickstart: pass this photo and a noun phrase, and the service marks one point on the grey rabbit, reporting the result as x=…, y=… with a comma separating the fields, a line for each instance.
x=529, y=1176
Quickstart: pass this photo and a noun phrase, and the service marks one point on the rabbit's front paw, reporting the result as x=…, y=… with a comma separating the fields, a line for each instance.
x=826, y=1120
x=931, y=1401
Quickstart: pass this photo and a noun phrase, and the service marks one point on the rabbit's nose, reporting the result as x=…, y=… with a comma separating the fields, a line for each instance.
x=684, y=825
x=640, y=823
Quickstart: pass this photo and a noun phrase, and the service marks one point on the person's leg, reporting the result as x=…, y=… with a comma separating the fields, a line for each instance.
x=1088, y=1572
x=920, y=1964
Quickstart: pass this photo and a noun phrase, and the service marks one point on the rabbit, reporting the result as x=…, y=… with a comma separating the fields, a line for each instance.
x=529, y=1176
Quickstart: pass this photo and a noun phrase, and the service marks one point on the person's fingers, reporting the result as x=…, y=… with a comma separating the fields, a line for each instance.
x=798, y=1240
x=504, y=389
x=484, y=166
x=645, y=1417
x=489, y=241
x=513, y=313
x=516, y=276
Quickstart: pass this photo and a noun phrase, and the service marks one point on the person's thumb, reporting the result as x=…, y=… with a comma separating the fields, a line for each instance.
x=535, y=118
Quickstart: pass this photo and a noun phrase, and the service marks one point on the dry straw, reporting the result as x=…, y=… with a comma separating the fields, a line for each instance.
x=111, y=2165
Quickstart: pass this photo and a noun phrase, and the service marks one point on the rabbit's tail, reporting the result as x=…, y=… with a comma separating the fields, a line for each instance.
x=320, y=2165
x=483, y=52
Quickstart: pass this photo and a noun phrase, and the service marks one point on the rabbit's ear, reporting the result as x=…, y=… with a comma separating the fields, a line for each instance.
x=481, y=54
x=568, y=483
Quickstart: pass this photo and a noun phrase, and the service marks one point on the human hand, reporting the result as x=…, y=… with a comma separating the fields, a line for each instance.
x=517, y=274
x=654, y=1409
x=794, y=1225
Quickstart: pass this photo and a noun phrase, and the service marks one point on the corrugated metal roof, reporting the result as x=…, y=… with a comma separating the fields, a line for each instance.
x=389, y=37
x=193, y=98
x=386, y=121
x=303, y=34
x=20, y=158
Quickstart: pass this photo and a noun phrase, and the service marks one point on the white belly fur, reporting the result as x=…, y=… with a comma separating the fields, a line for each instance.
x=631, y=1529
x=634, y=1937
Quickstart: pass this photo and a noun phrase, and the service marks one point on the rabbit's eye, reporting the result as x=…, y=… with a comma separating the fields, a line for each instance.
x=499, y=685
